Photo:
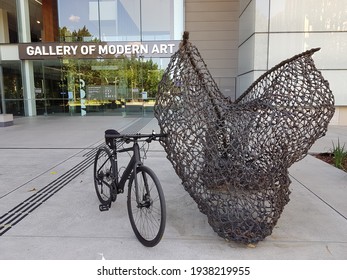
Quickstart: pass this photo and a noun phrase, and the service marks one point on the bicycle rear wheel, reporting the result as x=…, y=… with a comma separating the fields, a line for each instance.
x=148, y=217
x=104, y=171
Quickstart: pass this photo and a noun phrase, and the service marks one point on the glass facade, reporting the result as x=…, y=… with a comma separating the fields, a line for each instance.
x=93, y=84
x=12, y=90
x=8, y=22
x=238, y=39
x=117, y=20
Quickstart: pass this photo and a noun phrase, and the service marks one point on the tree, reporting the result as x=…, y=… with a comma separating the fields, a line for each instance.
x=77, y=35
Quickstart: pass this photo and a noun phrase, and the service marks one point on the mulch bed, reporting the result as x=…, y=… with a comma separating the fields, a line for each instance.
x=328, y=158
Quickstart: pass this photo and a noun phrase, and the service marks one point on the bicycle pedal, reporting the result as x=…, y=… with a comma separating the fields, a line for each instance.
x=103, y=207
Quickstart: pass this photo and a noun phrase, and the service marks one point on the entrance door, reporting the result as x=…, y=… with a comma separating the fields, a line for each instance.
x=122, y=86
x=49, y=87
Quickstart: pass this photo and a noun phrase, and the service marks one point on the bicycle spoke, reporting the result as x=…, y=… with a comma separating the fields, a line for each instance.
x=103, y=175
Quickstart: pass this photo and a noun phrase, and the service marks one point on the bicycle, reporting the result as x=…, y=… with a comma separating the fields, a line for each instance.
x=145, y=201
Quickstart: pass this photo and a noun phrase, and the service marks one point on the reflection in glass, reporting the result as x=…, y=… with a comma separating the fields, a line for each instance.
x=49, y=94
x=120, y=20
x=36, y=20
x=109, y=86
x=8, y=22
x=76, y=21
x=157, y=27
x=13, y=92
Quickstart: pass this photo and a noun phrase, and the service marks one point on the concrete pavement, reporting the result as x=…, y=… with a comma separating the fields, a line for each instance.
x=56, y=153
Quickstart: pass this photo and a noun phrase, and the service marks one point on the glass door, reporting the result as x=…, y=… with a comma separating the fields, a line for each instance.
x=122, y=86
x=49, y=87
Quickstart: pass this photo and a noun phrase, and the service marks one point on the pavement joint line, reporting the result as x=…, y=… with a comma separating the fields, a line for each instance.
x=126, y=127
x=27, y=206
x=19, y=214
x=325, y=242
x=46, y=148
x=321, y=199
x=39, y=175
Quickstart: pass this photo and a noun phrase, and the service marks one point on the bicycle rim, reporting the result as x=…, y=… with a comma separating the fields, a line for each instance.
x=103, y=175
x=148, y=217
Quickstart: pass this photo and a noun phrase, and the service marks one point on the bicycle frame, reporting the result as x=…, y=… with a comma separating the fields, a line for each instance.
x=147, y=214
x=130, y=170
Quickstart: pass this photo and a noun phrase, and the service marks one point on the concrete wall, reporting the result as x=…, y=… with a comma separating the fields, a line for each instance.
x=214, y=29
x=272, y=31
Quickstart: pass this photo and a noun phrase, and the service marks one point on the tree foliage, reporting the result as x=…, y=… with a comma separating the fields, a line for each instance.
x=79, y=35
x=125, y=73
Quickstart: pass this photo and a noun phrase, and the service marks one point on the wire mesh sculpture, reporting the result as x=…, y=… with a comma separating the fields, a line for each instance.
x=233, y=157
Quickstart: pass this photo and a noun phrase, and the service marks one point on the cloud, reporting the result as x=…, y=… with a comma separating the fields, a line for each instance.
x=74, y=18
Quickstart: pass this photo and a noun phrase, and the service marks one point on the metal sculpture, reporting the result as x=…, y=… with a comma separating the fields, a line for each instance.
x=233, y=157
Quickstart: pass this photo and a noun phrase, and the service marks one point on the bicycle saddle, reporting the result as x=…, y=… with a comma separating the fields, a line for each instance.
x=110, y=140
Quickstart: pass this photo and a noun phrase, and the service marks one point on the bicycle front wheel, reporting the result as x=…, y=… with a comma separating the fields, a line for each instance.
x=147, y=214
x=104, y=171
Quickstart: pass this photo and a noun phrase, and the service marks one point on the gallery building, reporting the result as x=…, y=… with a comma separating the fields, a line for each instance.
x=105, y=57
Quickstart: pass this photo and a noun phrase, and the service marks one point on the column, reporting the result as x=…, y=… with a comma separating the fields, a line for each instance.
x=28, y=88
x=177, y=19
x=2, y=93
x=27, y=66
x=23, y=21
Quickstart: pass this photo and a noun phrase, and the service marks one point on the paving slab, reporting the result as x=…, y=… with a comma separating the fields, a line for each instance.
x=69, y=226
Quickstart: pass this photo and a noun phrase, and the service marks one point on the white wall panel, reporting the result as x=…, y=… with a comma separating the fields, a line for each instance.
x=214, y=28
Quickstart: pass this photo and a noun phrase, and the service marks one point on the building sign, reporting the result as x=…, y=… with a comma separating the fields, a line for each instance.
x=37, y=51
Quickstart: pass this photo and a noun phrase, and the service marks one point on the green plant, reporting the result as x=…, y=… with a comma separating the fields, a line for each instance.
x=339, y=154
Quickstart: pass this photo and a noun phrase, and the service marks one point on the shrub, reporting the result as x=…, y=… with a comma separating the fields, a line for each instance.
x=339, y=154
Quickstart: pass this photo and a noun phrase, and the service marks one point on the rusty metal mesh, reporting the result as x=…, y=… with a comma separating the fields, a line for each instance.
x=233, y=157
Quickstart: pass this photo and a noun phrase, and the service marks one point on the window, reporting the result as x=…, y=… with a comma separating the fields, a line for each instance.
x=120, y=20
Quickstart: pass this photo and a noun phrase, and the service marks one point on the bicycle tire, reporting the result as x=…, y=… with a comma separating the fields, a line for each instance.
x=104, y=172
x=148, y=219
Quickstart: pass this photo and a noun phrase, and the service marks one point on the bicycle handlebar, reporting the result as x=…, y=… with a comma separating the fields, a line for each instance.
x=133, y=137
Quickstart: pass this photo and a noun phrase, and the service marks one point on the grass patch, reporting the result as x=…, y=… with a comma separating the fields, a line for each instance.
x=339, y=155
